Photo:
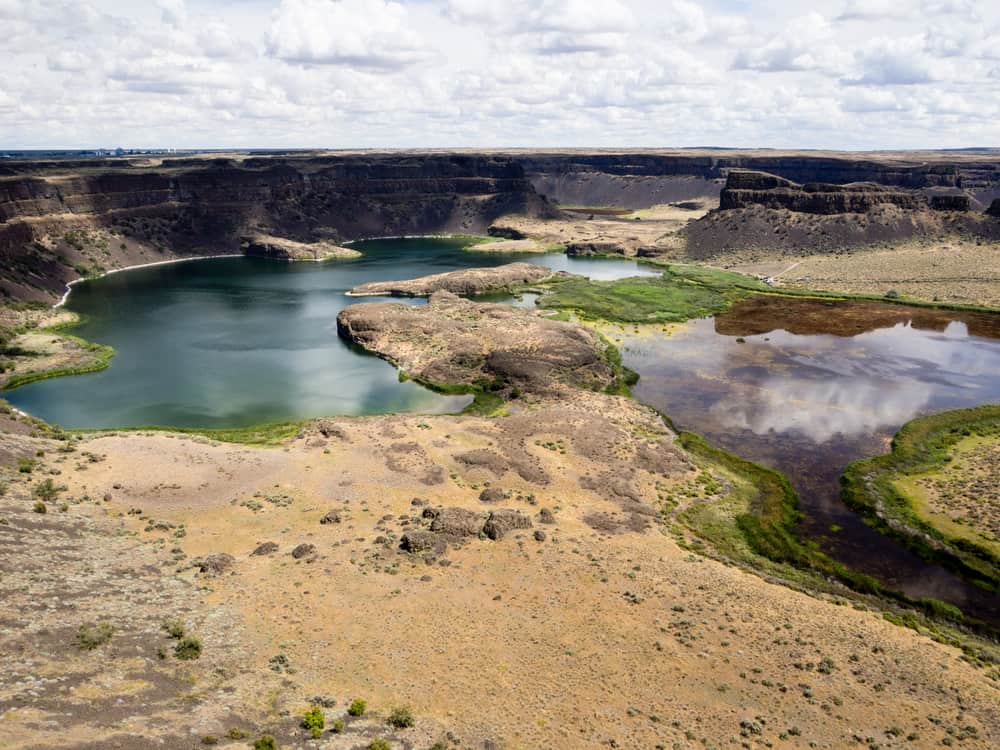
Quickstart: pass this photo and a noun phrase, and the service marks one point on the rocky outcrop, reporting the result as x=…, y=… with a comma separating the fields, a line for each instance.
x=746, y=189
x=454, y=342
x=583, y=249
x=994, y=209
x=469, y=281
x=215, y=565
x=455, y=522
x=950, y=202
x=504, y=520
x=279, y=248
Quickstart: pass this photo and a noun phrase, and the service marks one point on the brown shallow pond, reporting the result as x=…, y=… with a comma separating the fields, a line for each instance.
x=806, y=386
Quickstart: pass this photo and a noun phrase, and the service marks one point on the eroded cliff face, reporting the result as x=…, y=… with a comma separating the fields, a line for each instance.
x=643, y=179
x=746, y=189
x=59, y=220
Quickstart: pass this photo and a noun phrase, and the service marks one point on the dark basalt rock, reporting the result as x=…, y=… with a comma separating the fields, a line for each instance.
x=994, y=209
x=422, y=541
x=304, y=550
x=332, y=516
x=216, y=564
x=950, y=202
x=267, y=548
x=457, y=522
x=503, y=521
x=492, y=495
x=747, y=189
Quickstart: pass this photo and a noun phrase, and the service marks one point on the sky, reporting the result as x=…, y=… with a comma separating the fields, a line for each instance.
x=847, y=74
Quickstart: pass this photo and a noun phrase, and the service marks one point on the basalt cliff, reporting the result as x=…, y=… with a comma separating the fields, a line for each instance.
x=60, y=220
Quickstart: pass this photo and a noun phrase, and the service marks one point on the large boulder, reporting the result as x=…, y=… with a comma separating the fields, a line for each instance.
x=457, y=522
x=217, y=564
x=504, y=520
x=419, y=540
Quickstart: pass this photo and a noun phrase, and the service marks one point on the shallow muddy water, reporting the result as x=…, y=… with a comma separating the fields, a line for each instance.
x=807, y=386
x=230, y=342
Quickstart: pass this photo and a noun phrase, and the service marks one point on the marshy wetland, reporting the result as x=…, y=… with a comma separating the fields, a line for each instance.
x=806, y=386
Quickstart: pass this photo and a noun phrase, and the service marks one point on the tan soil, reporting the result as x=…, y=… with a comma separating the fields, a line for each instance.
x=953, y=271
x=592, y=636
x=464, y=281
x=652, y=227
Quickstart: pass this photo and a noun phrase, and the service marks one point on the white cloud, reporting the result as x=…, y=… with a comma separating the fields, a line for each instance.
x=362, y=33
x=895, y=61
x=868, y=10
x=479, y=72
x=806, y=43
x=174, y=12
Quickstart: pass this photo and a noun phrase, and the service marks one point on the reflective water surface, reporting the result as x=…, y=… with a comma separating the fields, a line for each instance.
x=230, y=342
x=807, y=386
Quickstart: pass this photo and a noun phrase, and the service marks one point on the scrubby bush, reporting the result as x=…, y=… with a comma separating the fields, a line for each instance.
x=379, y=744
x=174, y=628
x=265, y=742
x=40, y=507
x=358, y=707
x=314, y=721
x=337, y=726
x=401, y=717
x=188, y=648
x=48, y=490
x=88, y=638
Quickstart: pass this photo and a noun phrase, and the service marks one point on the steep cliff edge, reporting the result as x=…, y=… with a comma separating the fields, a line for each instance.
x=645, y=178
x=63, y=220
x=765, y=212
x=745, y=189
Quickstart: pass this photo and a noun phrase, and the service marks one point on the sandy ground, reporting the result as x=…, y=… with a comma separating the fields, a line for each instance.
x=604, y=634
x=645, y=228
x=953, y=271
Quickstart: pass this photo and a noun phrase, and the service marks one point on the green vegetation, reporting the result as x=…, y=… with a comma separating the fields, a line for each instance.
x=40, y=507
x=101, y=358
x=752, y=525
x=47, y=491
x=188, y=648
x=174, y=628
x=88, y=638
x=337, y=727
x=874, y=488
x=266, y=434
x=681, y=293
x=358, y=707
x=265, y=742
x=485, y=404
x=379, y=744
x=314, y=721
x=401, y=717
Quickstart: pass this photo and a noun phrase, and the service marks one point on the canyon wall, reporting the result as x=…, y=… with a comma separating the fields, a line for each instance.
x=89, y=215
x=642, y=179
